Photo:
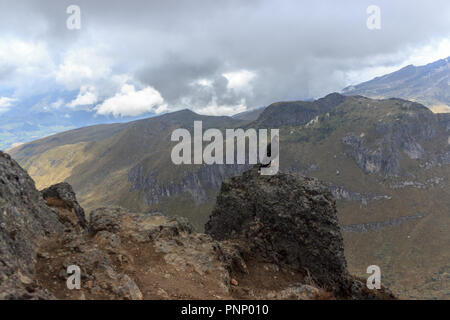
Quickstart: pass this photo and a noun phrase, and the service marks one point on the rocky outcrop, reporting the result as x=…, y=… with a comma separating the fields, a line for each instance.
x=63, y=197
x=284, y=219
x=291, y=223
x=174, y=239
x=24, y=221
x=123, y=247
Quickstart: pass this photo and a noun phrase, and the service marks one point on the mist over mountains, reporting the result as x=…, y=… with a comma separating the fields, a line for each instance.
x=34, y=118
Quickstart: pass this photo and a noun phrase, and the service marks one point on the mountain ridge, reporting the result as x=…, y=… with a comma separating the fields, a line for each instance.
x=427, y=84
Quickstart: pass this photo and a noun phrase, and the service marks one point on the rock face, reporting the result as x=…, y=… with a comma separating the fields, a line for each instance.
x=196, y=184
x=408, y=134
x=24, y=221
x=284, y=219
x=61, y=195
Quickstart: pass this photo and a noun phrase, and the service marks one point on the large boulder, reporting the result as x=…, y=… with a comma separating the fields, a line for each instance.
x=283, y=219
x=24, y=221
x=62, y=197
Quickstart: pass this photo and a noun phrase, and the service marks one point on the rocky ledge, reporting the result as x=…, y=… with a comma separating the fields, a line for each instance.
x=268, y=238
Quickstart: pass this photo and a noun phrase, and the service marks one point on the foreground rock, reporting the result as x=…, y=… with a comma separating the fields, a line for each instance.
x=286, y=220
x=279, y=240
x=289, y=221
x=130, y=255
x=61, y=196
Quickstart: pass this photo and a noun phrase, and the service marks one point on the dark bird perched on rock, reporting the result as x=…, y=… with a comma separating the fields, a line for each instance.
x=267, y=161
x=268, y=154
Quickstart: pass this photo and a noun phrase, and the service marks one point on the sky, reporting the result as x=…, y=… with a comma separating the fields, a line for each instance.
x=131, y=58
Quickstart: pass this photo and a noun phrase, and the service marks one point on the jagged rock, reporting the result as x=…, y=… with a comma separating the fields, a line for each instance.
x=24, y=221
x=61, y=196
x=125, y=287
x=99, y=276
x=106, y=219
x=284, y=219
x=139, y=226
x=174, y=238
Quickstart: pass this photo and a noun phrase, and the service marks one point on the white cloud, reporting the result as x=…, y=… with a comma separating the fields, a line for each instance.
x=86, y=96
x=25, y=66
x=129, y=102
x=81, y=66
x=57, y=104
x=213, y=109
x=433, y=51
x=27, y=58
x=239, y=80
x=6, y=103
x=204, y=82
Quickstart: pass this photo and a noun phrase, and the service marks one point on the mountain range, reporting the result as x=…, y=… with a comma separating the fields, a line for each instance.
x=41, y=116
x=386, y=161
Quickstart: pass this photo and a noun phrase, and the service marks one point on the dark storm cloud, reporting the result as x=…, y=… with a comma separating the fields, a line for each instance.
x=296, y=49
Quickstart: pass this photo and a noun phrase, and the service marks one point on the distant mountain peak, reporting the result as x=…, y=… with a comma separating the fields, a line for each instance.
x=427, y=84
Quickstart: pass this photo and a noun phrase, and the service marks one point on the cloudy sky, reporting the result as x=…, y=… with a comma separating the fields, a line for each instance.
x=131, y=58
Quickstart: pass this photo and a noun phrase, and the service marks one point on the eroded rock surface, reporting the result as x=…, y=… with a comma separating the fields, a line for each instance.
x=285, y=219
x=24, y=221
x=62, y=196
